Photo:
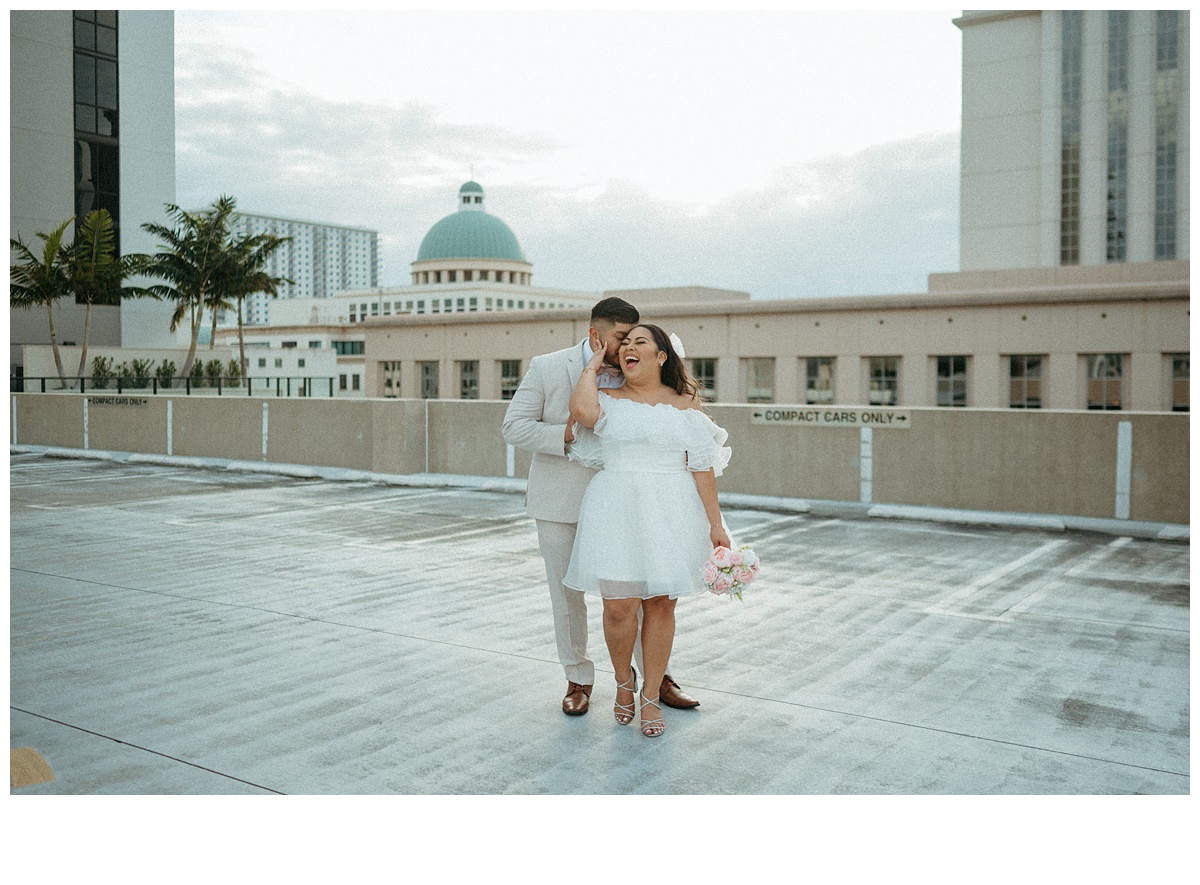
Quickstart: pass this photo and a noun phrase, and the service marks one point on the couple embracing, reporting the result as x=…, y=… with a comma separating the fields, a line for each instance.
x=623, y=489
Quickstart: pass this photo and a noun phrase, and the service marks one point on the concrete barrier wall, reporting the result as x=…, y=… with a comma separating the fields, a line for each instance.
x=1094, y=464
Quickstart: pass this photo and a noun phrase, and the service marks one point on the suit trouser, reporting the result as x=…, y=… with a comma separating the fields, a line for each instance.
x=568, y=605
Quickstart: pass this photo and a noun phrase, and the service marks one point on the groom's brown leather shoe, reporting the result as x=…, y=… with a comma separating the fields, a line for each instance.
x=577, y=699
x=673, y=696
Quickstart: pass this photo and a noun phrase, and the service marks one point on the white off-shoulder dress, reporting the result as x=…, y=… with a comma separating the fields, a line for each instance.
x=642, y=527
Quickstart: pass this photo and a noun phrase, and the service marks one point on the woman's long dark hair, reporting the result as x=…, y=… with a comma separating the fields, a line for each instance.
x=674, y=373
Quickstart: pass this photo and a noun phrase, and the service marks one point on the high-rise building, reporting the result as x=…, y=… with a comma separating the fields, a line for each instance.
x=92, y=125
x=319, y=259
x=1075, y=146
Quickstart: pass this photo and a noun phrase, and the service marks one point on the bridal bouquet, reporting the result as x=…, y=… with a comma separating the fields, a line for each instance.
x=729, y=572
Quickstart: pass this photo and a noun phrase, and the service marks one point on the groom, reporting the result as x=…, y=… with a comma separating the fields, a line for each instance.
x=537, y=419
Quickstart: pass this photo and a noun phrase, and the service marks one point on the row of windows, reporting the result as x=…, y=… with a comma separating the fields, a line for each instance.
x=470, y=276
x=1116, y=48
x=1166, y=124
x=362, y=311
x=1107, y=378
x=1071, y=115
x=1118, y=135
x=262, y=362
x=429, y=376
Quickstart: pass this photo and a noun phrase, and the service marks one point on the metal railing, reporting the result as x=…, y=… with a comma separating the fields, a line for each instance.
x=187, y=384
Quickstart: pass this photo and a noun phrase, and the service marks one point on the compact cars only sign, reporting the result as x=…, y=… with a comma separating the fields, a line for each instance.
x=807, y=416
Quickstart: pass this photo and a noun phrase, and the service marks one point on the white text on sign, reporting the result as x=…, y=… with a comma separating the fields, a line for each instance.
x=799, y=416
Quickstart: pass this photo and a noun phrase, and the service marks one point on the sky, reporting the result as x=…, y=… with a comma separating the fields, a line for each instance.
x=785, y=154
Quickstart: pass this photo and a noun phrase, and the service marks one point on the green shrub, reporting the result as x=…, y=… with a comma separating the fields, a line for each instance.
x=212, y=369
x=234, y=371
x=102, y=372
x=141, y=370
x=166, y=373
x=197, y=374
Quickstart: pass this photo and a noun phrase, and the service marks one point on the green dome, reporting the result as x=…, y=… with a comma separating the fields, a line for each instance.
x=473, y=187
x=471, y=234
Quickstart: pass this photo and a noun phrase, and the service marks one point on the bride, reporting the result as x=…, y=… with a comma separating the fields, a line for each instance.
x=650, y=517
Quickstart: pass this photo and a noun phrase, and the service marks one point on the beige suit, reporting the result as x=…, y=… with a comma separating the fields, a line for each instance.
x=537, y=420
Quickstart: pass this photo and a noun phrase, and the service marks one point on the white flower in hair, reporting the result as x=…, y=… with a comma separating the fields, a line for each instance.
x=677, y=345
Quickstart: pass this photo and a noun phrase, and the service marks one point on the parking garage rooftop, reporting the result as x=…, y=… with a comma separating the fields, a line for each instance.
x=183, y=628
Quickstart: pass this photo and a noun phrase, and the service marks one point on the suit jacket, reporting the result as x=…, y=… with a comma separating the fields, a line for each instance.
x=537, y=420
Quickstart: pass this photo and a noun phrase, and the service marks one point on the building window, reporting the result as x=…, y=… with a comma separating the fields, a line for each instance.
x=1166, y=126
x=278, y=363
x=97, y=147
x=884, y=380
x=1072, y=106
x=288, y=345
x=342, y=382
x=356, y=382
x=759, y=373
x=314, y=345
x=818, y=380
x=704, y=370
x=391, y=379
x=473, y=304
x=348, y=348
x=1025, y=381
x=1180, y=377
x=952, y=381
x=460, y=305
x=468, y=275
x=468, y=379
x=262, y=362
x=452, y=276
x=428, y=372
x=300, y=363
x=1118, y=134
x=510, y=378
x=1105, y=377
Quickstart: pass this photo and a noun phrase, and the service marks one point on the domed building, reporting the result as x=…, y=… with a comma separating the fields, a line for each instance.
x=470, y=246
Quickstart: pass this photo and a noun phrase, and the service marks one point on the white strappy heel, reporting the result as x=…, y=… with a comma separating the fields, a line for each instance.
x=652, y=728
x=624, y=712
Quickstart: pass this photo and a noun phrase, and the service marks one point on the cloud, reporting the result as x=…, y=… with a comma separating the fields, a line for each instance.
x=873, y=222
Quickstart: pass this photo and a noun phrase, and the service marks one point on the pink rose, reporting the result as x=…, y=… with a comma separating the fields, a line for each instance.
x=721, y=557
x=710, y=573
x=735, y=557
x=723, y=584
x=743, y=574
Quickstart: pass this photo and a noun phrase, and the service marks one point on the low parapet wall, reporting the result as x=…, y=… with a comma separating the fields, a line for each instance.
x=1123, y=465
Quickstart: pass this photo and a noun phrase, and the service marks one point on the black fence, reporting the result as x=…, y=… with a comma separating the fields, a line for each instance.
x=275, y=386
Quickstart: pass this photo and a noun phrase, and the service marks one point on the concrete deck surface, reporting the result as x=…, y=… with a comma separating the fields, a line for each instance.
x=188, y=631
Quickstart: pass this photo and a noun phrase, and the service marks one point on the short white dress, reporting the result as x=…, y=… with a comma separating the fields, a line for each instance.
x=642, y=527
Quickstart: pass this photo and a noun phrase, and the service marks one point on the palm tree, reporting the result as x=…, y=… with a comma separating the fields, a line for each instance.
x=192, y=260
x=97, y=274
x=42, y=280
x=249, y=254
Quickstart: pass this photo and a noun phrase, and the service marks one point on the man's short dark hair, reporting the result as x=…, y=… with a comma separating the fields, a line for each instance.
x=615, y=310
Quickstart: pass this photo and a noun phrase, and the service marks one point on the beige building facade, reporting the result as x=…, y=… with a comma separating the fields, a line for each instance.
x=1053, y=338
x=1075, y=137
